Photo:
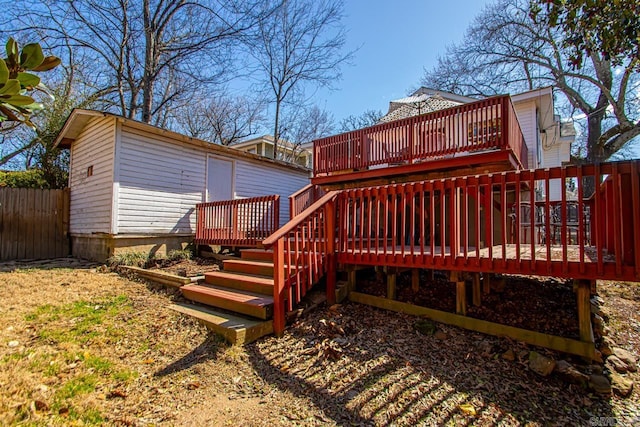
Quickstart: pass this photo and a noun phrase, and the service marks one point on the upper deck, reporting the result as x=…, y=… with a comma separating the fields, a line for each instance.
x=477, y=137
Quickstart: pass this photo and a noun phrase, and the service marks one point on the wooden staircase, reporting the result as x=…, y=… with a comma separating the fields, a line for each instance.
x=245, y=288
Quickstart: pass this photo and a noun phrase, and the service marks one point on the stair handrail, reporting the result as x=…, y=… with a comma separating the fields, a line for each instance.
x=309, y=242
x=314, y=192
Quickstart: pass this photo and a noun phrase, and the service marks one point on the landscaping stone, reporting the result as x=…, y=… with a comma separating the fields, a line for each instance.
x=540, y=364
x=615, y=364
x=570, y=374
x=621, y=386
x=606, y=348
x=600, y=384
x=627, y=357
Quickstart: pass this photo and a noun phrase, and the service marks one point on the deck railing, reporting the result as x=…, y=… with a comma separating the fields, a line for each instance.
x=240, y=222
x=303, y=198
x=476, y=224
x=489, y=124
x=303, y=252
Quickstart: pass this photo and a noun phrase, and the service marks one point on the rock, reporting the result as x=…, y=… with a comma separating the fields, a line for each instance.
x=13, y=344
x=570, y=374
x=425, y=327
x=509, y=355
x=597, y=357
x=595, y=369
x=540, y=364
x=615, y=364
x=627, y=357
x=439, y=335
x=606, y=348
x=621, y=386
x=598, y=325
x=600, y=384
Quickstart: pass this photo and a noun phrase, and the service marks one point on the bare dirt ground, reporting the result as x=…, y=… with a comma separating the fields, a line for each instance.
x=79, y=346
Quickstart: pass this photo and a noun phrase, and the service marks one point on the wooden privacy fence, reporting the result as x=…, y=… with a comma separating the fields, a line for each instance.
x=240, y=222
x=34, y=223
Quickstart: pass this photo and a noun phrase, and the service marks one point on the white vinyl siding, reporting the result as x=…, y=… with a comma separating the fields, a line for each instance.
x=526, y=113
x=91, y=196
x=253, y=179
x=159, y=184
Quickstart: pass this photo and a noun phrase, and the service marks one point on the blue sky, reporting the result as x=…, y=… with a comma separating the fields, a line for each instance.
x=396, y=41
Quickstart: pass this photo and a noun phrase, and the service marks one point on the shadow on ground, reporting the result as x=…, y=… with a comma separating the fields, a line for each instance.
x=367, y=366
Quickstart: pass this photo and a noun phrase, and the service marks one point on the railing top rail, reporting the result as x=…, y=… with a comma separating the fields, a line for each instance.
x=298, y=219
x=426, y=116
x=570, y=171
x=272, y=197
x=302, y=190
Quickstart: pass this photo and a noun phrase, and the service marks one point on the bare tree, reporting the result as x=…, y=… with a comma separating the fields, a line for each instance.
x=301, y=125
x=224, y=120
x=506, y=50
x=366, y=119
x=146, y=55
x=301, y=44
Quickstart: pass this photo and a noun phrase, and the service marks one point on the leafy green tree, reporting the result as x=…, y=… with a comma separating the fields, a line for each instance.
x=610, y=28
x=17, y=84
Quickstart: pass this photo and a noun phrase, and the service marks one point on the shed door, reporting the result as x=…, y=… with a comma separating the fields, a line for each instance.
x=219, y=179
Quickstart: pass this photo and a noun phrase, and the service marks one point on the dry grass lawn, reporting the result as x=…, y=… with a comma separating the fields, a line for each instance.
x=81, y=347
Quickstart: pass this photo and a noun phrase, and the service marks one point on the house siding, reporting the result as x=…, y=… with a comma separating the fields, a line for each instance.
x=159, y=184
x=526, y=114
x=253, y=180
x=92, y=196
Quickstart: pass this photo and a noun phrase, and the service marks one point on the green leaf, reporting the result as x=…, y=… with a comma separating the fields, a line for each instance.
x=12, y=52
x=31, y=56
x=47, y=64
x=11, y=87
x=18, y=100
x=4, y=72
x=28, y=80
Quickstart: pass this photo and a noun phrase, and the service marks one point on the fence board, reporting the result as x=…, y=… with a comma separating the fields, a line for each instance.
x=34, y=223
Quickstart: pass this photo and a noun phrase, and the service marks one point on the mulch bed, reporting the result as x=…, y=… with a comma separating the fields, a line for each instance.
x=542, y=305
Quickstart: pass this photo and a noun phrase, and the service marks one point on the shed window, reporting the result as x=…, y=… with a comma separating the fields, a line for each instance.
x=90, y=171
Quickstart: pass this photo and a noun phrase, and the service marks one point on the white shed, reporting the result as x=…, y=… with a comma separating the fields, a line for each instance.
x=135, y=186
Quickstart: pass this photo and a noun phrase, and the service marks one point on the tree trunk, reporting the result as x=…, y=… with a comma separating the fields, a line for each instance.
x=149, y=56
x=276, y=132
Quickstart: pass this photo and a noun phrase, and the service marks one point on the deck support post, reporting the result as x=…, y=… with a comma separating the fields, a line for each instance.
x=415, y=280
x=486, y=283
x=351, y=279
x=330, y=221
x=461, y=293
x=584, y=310
x=477, y=295
x=391, y=283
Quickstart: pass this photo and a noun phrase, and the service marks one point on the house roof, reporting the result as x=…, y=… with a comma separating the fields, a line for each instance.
x=79, y=118
x=268, y=139
x=415, y=105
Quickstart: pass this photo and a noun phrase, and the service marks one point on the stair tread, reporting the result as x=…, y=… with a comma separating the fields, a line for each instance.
x=228, y=320
x=237, y=329
x=262, y=280
x=243, y=297
x=249, y=262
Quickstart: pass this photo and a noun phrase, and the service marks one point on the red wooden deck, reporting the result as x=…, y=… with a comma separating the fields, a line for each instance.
x=476, y=224
x=478, y=133
x=240, y=222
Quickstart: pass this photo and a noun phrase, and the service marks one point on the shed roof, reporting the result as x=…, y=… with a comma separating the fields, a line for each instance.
x=79, y=118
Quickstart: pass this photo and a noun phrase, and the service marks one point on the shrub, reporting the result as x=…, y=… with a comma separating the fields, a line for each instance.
x=138, y=259
x=179, y=255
